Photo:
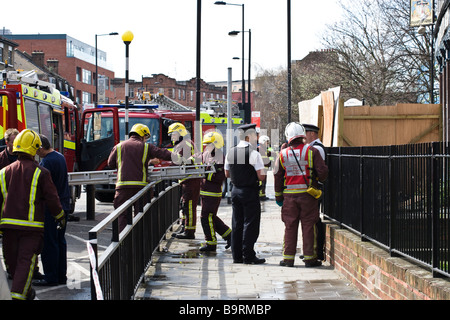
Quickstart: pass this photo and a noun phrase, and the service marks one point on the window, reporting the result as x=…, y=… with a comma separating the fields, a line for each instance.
x=78, y=74
x=45, y=121
x=32, y=119
x=192, y=95
x=86, y=98
x=87, y=76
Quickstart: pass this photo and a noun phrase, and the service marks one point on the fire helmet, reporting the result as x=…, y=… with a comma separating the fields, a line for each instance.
x=140, y=129
x=27, y=141
x=293, y=131
x=177, y=127
x=214, y=138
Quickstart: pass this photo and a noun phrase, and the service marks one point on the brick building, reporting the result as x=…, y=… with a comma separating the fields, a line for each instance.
x=75, y=62
x=183, y=92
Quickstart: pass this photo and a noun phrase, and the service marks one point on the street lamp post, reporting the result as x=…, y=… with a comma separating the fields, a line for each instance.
x=289, y=73
x=247, y=118
x=96, y=62
x=127, y=37
x=235, y=33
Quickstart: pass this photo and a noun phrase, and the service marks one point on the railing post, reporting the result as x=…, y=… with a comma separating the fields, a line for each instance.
x=361, y=191
x=93, y=243
x=435, y=205
x=393, y=200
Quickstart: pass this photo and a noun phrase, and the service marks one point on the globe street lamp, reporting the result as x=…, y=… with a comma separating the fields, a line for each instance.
x=96, y=62
x=127, y=37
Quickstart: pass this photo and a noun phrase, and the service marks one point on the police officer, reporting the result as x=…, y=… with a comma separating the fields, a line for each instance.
x=312, y=138
x=26, y=187
x=245, y=167
x=187, y=154
x=211, y=192
x=132, y=158
x=295, y=171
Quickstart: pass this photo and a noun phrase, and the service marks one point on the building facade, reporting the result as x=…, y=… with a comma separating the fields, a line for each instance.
x=183, y=92
x=75, y=60
x=6, y=53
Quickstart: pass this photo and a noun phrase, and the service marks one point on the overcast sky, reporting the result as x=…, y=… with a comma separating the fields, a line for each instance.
x=165, y=32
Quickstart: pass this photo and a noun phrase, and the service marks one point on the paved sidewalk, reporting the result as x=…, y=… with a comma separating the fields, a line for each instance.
x=180, y=271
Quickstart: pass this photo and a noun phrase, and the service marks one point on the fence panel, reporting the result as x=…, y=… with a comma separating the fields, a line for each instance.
x=121, y=266
x=395, y=196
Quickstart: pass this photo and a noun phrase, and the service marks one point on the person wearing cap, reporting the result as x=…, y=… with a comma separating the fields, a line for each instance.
x=131, y=158
x=187, y=153
x=26, y=188
x=295, y=172
x=245, y=166
x=312, y=137
x=211, y=192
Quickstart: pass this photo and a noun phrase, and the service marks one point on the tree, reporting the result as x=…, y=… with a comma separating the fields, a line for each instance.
x=381, y=59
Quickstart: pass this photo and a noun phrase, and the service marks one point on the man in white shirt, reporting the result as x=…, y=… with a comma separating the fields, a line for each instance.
x=245, y=166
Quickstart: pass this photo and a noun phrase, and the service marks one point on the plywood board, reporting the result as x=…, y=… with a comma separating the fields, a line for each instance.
x=308, y=111
x=328, y=117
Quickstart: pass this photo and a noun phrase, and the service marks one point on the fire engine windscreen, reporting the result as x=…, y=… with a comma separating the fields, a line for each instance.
x=99, y=125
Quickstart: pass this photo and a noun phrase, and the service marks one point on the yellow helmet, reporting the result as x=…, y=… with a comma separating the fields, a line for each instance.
x=27, y=141
x=141, y=129
x=214, y=138
x=177, y=127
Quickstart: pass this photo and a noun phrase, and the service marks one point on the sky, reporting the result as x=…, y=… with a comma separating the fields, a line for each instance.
x=165, y=33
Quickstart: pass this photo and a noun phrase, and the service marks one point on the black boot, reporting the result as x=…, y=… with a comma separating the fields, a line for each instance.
x=187, y=234
x=208, y=247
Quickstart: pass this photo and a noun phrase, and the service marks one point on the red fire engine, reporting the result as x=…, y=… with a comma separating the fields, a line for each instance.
x=27, y=102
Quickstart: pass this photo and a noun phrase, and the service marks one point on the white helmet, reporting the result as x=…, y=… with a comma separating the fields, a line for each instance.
x=293, y=131
x=263, y=139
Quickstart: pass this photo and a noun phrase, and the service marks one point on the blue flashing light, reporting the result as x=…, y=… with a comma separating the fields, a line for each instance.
x=65, y=93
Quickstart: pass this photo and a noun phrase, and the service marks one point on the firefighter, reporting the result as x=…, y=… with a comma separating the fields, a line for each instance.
x=131, y=158
x=187, y=154
x=245, y=167
x=266, y=153
x=295, y=173
x=211, y=193
x=7, y=156
x=26, y=187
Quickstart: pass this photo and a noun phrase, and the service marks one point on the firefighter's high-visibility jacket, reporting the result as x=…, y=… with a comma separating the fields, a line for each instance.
x=25, y=188
x=211, y=185
x=131, y=159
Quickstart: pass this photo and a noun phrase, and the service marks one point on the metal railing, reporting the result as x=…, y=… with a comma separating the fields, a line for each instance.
x=117, y=271
x=395, y=196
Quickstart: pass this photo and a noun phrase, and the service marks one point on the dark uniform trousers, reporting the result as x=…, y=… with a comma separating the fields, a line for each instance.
x=245, y=222
x=190, y=193
x=120, y=197
x=211, y=223
x=300, y=208
x=21, y=249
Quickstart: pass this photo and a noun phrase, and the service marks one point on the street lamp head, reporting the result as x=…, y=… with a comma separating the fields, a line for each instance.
x=127, y=37
x=220, y=3
x=236, y=58
x=113, y=33
x=233, y=33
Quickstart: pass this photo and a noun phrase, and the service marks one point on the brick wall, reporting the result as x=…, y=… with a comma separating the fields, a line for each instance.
x=378, y=275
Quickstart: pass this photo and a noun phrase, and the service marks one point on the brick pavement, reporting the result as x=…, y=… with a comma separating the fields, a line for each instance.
x=180, y=271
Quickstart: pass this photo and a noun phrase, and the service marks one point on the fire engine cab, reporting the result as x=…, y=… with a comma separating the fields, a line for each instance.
x=29, y=103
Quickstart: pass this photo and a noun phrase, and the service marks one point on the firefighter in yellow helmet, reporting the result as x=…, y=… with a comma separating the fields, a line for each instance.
x=211, y=192
x=131, y=159
x=26, y=188
x=187, y=154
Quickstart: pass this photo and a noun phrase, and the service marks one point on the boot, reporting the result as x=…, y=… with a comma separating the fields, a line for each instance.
x=187, y=234
x=208, y=247
x=228, y=240
x=287, y=263
x=312, y=263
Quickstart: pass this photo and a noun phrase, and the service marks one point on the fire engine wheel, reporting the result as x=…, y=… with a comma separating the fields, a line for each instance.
x=104, y=196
